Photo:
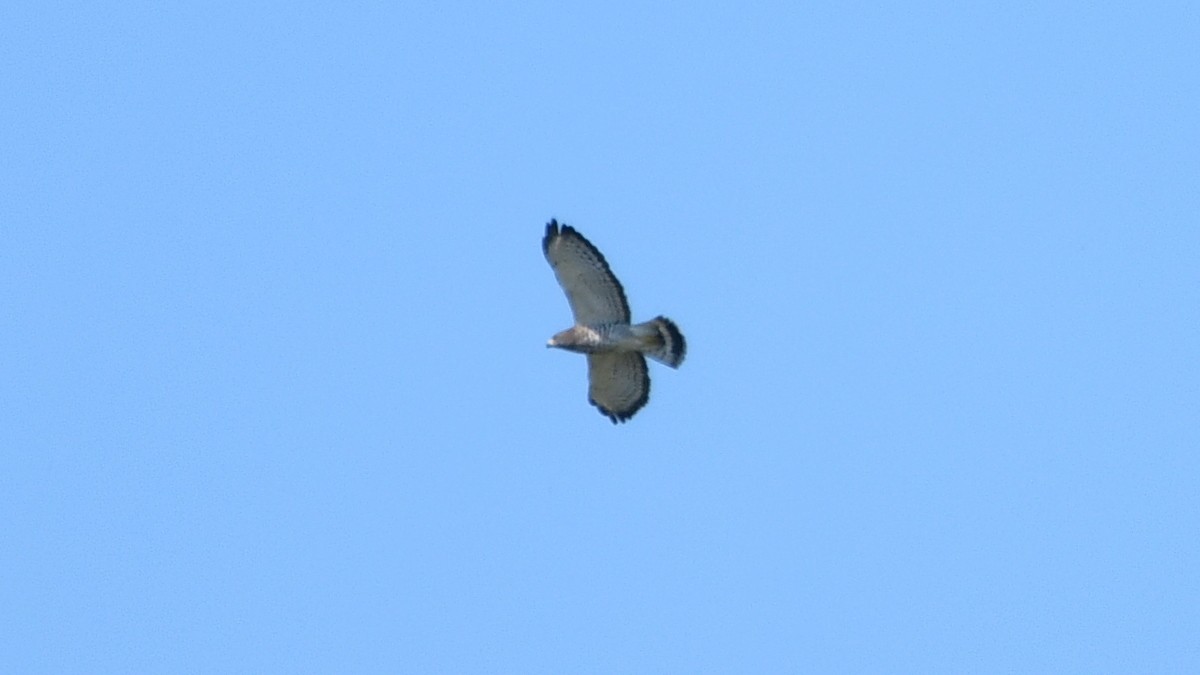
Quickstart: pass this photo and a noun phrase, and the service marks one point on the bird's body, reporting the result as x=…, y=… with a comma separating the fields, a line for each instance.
x=602, y=337
x=619, y=382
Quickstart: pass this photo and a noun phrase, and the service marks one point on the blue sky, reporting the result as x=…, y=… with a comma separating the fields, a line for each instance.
x=275, y=396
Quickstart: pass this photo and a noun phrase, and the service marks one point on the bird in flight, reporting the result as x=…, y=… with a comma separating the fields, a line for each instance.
x=618, y=380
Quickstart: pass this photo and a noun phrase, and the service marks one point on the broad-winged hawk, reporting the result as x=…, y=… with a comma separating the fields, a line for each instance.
x=618, y=381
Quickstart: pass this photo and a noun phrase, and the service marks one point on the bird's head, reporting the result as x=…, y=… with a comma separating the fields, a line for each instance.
x=568, y=339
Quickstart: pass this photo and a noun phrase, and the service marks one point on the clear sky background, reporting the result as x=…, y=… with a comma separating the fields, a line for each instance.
x=275, y=395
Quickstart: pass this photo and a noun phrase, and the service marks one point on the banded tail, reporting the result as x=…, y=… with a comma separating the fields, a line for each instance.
x=664, y=342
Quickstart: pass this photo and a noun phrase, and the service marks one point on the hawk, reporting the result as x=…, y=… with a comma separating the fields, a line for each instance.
x=618, y=381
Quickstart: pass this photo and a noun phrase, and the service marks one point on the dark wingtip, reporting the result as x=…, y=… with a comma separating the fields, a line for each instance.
x=551, y=234
x=612, y=415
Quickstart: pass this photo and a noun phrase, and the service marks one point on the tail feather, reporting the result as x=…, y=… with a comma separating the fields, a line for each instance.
x=665, y=342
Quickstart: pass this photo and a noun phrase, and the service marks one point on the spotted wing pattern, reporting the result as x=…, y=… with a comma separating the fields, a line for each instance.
x=594, y=293
x=618, y=384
